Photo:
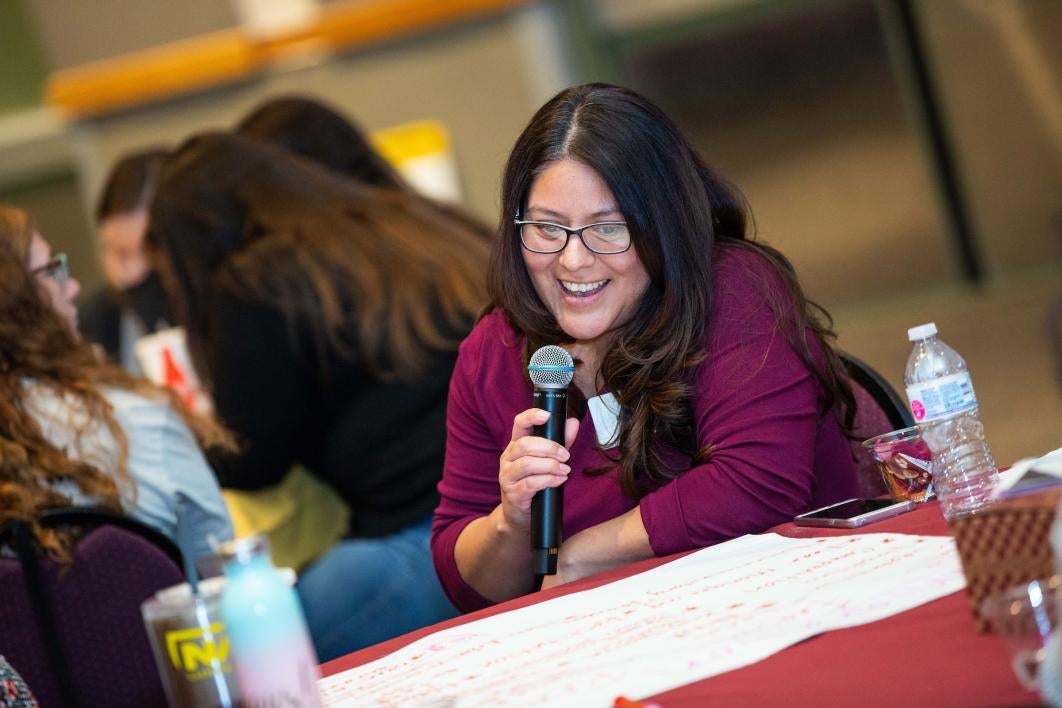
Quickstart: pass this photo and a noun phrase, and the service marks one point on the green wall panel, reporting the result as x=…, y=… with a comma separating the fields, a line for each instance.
x=21, y=69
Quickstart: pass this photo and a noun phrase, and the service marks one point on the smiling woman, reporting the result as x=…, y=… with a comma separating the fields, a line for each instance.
x=588, y=293
x=628, y=251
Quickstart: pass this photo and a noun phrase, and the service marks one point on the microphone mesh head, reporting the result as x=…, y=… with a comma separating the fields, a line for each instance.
x=551, y=367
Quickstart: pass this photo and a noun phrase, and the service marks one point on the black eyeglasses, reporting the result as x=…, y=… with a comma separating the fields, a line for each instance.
x=606, y=237
x=58, y=269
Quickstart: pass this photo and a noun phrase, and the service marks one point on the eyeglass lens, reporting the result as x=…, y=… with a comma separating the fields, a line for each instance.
x=545, y=237
x=58, y=268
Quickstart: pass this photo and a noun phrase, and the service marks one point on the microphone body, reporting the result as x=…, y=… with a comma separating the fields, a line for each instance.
x=551, y=370
x=547, y=506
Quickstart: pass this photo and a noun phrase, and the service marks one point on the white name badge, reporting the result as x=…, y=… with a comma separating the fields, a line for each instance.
x=165, y=360
x=605, y=410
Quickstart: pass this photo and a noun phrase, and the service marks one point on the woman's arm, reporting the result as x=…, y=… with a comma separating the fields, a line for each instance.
x=262, y=392
x=176, y=491
x=480, y=539
x=608, y=545
x=493, y=552
x=771, y=451
x=202, y=517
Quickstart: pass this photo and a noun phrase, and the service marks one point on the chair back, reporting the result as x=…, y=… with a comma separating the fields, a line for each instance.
x=879, y=409
x=75, y=631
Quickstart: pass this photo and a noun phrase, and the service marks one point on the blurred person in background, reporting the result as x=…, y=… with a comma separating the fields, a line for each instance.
x=132, y=303
x=76, y=430
x=314, y=130
x=324, y=315
x=730, y=407
x=308, y=127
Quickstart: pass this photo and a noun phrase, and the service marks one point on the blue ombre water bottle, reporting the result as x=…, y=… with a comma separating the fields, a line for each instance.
x=274, y=659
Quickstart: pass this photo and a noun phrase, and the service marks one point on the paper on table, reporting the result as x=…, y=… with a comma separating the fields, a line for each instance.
x=712, y=611
x=1049, y=464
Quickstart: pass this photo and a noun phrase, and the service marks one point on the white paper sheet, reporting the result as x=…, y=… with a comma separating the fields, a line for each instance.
x=712, y=611
x=1049, y=464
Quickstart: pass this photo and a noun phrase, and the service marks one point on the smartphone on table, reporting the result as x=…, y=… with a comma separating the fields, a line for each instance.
x=853, y=513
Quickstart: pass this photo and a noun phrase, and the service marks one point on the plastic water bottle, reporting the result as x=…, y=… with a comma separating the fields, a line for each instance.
x=944, y=404
x=274, y=659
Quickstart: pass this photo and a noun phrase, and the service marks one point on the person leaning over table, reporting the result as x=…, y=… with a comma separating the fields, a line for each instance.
x=77, y=430
x=618, y=243
x=316, y=131
x=324, y=315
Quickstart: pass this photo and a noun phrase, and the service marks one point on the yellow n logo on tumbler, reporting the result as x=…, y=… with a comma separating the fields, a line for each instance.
x=199, y=652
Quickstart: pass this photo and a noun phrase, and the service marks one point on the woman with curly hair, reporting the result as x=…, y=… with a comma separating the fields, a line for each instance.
x=75, y=430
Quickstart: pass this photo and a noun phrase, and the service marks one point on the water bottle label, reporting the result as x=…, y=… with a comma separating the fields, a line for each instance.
x=942, y=397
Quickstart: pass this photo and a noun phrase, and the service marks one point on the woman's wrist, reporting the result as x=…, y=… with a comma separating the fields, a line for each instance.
x=505, y=527
x=608, y=545
x=494, y=557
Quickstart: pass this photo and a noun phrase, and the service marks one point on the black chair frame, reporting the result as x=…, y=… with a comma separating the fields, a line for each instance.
x=880, y=390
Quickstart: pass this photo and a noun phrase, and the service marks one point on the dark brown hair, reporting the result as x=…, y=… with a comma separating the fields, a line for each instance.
x=678, y=211
x=376, y=274
x=314, y=130
x=130, y=184
x=308, y=127
x=38, y=348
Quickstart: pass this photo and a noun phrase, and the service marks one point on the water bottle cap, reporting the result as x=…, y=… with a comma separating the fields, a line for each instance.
x=243, y=549
x=922, y=331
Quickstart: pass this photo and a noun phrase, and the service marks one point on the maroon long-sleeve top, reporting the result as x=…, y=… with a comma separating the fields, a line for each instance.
x=774, y=453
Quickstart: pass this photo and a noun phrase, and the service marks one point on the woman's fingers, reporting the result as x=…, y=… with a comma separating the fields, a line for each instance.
x=531, y=446
x=530, y=463
x=571, y=429
x=525, y=422
x=520, y=485
x=525, y=443
x=529, y=466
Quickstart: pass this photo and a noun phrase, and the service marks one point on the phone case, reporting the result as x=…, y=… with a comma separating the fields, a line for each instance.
x=854, y=521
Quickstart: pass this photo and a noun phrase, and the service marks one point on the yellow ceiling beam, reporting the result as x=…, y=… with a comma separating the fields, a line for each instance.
x=231, y=55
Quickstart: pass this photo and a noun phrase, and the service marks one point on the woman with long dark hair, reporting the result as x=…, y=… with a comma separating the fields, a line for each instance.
x=324, y=317
x=619, y=244
x=75, y=430
x=131, y=304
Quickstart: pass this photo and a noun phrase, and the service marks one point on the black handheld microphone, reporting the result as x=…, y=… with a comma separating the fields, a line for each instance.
x=551, y=370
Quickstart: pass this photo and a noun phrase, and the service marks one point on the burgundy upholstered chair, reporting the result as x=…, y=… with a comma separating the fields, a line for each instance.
x=75, y=632
x=879, y=409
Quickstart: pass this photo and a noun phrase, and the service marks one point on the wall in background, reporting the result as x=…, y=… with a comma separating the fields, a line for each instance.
x=74, y=33
x=1000, y=69
x=481, y=79
x=23, y=69
x=800, y=109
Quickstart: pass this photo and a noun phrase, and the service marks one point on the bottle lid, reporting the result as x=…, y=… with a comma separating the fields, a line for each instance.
x=922, y=331
x=245, y=548
x=181, y=593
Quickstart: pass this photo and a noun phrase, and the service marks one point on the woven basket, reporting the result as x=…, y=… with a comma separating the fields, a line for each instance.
x=1006, y=543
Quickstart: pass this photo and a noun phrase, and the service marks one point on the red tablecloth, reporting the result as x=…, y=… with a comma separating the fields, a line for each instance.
x=931, y=655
